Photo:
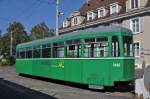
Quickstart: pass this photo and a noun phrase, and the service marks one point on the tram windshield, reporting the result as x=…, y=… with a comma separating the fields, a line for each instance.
x=128, y=46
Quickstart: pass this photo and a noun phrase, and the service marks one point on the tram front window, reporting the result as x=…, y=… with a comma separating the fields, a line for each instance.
x=128, y=46
x=115, y=46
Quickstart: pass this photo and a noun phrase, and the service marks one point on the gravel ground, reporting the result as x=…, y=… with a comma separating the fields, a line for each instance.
x=60, y=90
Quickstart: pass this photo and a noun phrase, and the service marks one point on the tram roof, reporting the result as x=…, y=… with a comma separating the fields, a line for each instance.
x=102, y=29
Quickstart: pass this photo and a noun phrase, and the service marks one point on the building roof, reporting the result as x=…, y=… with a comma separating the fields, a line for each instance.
x=91, y=5
x=94, y=4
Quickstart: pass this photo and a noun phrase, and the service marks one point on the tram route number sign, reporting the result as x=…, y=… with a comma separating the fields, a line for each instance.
x=116, y=65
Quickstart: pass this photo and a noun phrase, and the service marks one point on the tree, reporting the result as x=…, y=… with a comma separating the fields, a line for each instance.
x=18, y=32
x=19, y=35
x=40, y=31
x=0, y=34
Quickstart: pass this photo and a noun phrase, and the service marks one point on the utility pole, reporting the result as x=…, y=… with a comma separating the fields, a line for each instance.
x=57, y=17
x=11, y=38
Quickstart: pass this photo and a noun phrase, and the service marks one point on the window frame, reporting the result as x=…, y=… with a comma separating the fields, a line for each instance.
x=73, y=43
x=55, y=50
x=22, y=50
x=75, y=20
x=134, y=4
x=130, y=46
x=90, y=15
x=92, y=54
x=29, y=49
x=99, y=13
x=36, y=47
x=113, y=53
x=46, y=46
x=137, y=56
x=139, y=24
x=117, y=8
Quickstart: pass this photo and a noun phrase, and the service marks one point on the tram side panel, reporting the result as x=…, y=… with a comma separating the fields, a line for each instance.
x=41, y=67
x=24, y=66
x=122, y=70
x=129, y=69
x=73, y=70
x=96, y=72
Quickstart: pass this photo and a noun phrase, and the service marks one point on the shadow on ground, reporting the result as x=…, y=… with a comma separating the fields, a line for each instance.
x=9, y=90
x=117, y=88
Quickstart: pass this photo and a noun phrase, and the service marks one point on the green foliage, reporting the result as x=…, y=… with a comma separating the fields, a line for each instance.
x=40, y=31
x=4, y=62
x=19, y=35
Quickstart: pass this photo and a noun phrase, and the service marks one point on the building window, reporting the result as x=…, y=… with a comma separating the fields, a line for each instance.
x=101, y=12
x=135, y=25
x=134, y=3
x=90, y=16
x=75, y=20
x=137, y=49
x=113, y=8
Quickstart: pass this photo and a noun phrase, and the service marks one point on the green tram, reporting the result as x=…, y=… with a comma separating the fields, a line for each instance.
x=96, y=57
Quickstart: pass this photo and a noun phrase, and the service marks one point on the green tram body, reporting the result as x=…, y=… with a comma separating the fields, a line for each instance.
x=97, y=71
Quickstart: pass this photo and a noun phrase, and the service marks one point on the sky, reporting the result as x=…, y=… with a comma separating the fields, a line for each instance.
x=32, y=12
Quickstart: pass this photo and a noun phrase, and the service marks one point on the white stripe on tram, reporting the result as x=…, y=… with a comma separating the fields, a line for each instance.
x=76, y=58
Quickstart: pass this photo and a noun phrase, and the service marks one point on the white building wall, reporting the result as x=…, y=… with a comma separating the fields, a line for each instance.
x=144, y=38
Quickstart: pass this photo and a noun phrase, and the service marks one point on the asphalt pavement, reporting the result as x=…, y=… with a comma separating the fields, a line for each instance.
x=9, y=90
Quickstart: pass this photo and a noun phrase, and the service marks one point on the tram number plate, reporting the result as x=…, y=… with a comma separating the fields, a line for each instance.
x=116, y=65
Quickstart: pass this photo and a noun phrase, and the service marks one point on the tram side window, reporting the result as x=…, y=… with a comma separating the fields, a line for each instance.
x=101, y=47
x=29, y=53
x=22, y=54
x=58, y=50
x=36, y=52
x=46, y=51
x=73, y=48
x=18, y=54
x=89, y=47
x=96, y=47
x=128, y=46
x=115, y=47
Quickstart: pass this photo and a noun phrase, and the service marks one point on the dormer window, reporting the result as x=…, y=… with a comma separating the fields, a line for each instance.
x=101, y=12
x=90, y=15
x=114, y=8
x=66, y=23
